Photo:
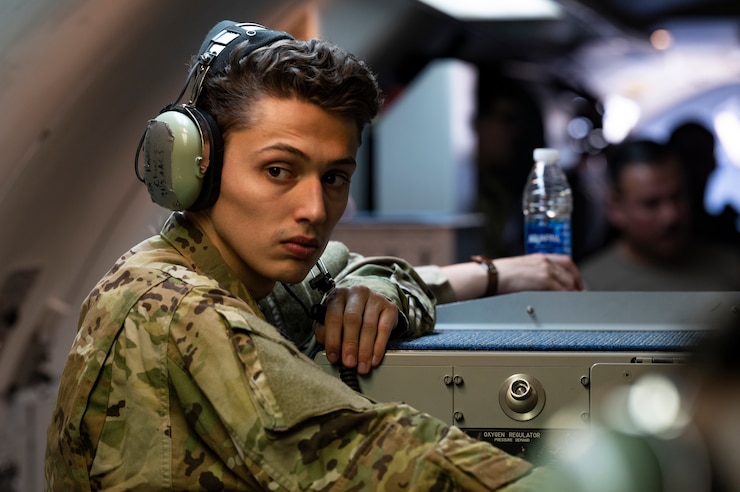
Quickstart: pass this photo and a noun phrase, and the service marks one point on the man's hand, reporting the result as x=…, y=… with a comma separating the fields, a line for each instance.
x=358, y=324
x=537, y=272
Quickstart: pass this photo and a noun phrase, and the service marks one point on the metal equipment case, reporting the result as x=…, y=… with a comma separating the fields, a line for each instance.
x=529, y=371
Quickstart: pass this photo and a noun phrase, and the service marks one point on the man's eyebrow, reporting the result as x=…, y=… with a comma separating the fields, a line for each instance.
x=348, y=161
x=285, y=148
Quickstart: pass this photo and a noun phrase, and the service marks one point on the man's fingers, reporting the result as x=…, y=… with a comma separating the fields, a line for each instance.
x=567, y=273
x=357, y=327
x=330, y=333
x=353, y=325
x=386, y=324
x=380, y=317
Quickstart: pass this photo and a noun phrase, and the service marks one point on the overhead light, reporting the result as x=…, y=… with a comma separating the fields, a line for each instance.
x=727, y=125
x=497, y=9
x=620, y=117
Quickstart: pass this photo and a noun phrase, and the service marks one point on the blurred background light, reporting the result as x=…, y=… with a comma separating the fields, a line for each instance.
x=497, y=9
x=654, y=406
x=727, y=127
x=661, y=39
x=620, y=116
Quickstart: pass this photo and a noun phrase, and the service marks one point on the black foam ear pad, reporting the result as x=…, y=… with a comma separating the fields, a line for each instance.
x=183, y=146
x=211, y=184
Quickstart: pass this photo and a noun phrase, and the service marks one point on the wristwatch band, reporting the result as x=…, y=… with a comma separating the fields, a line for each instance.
x=487, y=263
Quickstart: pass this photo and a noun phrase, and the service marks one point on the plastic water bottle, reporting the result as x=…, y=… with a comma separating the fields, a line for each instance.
x=547, y=204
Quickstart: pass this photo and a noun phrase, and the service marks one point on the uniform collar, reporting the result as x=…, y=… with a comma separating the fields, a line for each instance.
x=202, y=255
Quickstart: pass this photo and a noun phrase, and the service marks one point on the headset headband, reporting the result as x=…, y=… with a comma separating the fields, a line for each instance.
x=215, y=51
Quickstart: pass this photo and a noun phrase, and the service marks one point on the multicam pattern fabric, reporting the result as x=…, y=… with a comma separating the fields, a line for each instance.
x=392, y=277
x=176, y=382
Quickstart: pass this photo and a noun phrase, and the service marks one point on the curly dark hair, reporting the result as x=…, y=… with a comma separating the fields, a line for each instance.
x=315, y=71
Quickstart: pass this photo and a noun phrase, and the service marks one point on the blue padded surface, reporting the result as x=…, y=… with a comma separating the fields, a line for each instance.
x=553, y=340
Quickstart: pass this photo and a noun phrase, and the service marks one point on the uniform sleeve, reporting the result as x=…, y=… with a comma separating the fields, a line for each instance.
x=438, y=283
x=398, y=281
x=391, y=277
x=261, y=405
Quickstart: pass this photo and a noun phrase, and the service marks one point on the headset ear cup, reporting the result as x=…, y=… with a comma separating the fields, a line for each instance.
x=178, y=159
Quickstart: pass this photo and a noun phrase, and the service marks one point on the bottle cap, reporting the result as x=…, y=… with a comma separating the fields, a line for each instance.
x=546, y=155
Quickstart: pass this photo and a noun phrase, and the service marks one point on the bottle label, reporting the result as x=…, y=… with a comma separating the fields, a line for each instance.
x=552, y=237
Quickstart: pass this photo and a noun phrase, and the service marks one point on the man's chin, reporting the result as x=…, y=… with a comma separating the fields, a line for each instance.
x=670, y=253
x=296, y=277
x=298, y=270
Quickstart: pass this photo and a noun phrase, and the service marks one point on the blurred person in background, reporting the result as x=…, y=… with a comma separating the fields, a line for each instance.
x=509, y=126
x=649, y=204
x=695, y=145
x=587, y=175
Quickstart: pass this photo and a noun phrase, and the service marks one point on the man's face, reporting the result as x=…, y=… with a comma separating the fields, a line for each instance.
x=652, y=210
x=498, y=132
x=284, y=187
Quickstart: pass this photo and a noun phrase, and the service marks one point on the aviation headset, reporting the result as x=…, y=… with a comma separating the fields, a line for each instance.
x=183, y=146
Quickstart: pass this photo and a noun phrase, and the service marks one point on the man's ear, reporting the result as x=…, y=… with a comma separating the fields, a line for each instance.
x=615, y=209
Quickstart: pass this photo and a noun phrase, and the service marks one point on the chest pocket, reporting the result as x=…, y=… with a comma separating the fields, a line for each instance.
x=276, y=368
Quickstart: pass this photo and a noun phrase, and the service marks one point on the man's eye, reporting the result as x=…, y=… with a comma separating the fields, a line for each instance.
x=276, y=172
x=336, y=179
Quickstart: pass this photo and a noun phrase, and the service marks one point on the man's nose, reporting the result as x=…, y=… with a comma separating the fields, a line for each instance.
x=312, y=206
x=672, y=212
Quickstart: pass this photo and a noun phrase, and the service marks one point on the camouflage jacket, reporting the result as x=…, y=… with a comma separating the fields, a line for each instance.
x=175, y=381
x=389, y=276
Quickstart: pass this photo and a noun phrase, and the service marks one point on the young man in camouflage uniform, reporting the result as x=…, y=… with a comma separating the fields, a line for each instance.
x=176, y=381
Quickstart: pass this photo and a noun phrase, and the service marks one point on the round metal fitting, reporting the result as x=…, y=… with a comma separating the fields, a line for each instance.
x=521, y=397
